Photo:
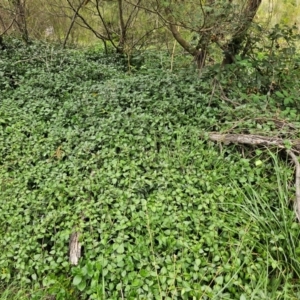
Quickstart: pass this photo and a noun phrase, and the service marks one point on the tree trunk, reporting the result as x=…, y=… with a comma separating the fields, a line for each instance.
x=198, y=53
x=122, y=38
x=232, y=48
x=20, y=18
x=235, y=44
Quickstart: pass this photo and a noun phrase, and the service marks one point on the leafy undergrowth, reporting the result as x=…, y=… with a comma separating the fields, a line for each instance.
x=124, y=158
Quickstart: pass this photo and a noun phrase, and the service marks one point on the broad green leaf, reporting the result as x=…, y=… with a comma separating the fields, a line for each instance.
x=82, y=285
x=77, y=280
x=120, y=249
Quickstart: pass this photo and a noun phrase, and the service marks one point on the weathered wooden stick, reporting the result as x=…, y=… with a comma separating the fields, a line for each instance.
x=252, y=139
x=74, y=248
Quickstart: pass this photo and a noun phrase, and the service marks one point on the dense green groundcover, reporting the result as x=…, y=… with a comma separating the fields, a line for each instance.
x=124, y=158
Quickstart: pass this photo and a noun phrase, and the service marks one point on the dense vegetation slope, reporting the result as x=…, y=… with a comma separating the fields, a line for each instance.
x=124, y=159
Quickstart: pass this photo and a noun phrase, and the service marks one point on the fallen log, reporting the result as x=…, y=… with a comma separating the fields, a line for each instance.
x=255, y=140
x=252, y=139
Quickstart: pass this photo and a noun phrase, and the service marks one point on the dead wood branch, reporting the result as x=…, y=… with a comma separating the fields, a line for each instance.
x=251, y=139
x=74, y=248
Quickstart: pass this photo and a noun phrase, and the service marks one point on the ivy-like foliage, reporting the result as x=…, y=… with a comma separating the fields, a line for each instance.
x=123, y=159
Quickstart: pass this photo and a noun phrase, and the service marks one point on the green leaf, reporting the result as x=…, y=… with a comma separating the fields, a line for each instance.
x=145, y=273
x=120, y=249
x=258, y=162
x=279, y=94
x=34, y=277
x=82, y=285
x=90, y=270
x=83, y=271
x=137, y=282
x=219, y=280
x=197, y=261
x=77, y=280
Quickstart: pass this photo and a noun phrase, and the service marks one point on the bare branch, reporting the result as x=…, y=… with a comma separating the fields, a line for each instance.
x=9, y=26
x=73, y=21
x=97, y=34
x=122, y=39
